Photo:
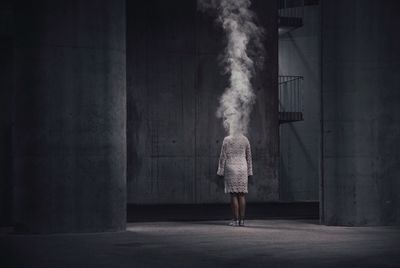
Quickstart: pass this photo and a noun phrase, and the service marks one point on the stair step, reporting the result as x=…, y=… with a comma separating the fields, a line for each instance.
x=292, y=22
x=287, y=24
x=287, y=117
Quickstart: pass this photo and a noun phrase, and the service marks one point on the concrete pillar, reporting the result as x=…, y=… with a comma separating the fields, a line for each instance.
x=6, y=96
x=361, y=63
x=70, y=117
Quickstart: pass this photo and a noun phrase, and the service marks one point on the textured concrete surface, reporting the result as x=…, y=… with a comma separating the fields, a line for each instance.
x=271, y=243
x=173, y=86
x=69, y=127
x=70, y=116
x=300, y=142
x=361, y=66
x=6, y=101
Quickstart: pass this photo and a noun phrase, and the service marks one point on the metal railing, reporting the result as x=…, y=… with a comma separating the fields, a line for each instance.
x=291, y=93
x=291, y=8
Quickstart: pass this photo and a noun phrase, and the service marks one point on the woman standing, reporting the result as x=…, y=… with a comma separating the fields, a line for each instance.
x=235, y=165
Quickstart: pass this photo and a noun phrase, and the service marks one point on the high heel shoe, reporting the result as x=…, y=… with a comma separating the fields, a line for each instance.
x=234, y=223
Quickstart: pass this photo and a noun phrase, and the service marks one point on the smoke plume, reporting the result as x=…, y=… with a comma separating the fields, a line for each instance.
x=243, y=55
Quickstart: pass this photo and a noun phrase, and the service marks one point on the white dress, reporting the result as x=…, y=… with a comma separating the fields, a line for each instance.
x=235, y=163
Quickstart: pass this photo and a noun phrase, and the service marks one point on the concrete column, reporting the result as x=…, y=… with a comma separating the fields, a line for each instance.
x=6, y=96
x=361, y=63
x=70, y=117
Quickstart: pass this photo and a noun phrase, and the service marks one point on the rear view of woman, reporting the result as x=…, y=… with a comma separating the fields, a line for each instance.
x=235, y=165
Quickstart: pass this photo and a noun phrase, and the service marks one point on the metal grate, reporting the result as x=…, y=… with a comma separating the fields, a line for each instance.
x=290, y=97
x=291, y=8
x=291, y=13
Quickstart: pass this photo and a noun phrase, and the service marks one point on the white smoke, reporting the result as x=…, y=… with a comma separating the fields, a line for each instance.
x=244, y=53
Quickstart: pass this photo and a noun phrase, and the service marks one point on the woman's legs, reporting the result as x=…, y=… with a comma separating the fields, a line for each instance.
x=235, y=206
x=242, y=205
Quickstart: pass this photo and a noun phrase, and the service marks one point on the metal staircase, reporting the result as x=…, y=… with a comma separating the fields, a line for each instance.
x=290, y=98
x=290, y=15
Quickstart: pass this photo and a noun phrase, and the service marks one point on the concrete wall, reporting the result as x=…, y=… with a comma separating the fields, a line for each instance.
x=173, y=83
x=70, y=116
x=300, y=143
x=6, y=100
x=361, y=112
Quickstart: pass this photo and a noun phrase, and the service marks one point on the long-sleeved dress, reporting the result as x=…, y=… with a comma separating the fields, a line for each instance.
x=235, y=163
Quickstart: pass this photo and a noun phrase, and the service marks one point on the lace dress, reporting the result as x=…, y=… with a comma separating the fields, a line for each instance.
x=235, y=163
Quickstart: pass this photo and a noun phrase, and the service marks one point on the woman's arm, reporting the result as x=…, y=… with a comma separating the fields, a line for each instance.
x=222, y=160
x=248, y=159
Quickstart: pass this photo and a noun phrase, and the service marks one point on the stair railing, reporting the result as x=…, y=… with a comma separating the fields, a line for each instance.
x=290, y=93
x=291, y=8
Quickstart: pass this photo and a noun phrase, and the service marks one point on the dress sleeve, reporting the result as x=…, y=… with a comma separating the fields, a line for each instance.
x=222, y=160
x=248, y=159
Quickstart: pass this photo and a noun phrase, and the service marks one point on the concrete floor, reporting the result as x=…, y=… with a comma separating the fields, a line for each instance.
x=263, y=243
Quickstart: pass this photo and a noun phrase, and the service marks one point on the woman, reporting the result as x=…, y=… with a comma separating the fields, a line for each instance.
x=235, y=165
